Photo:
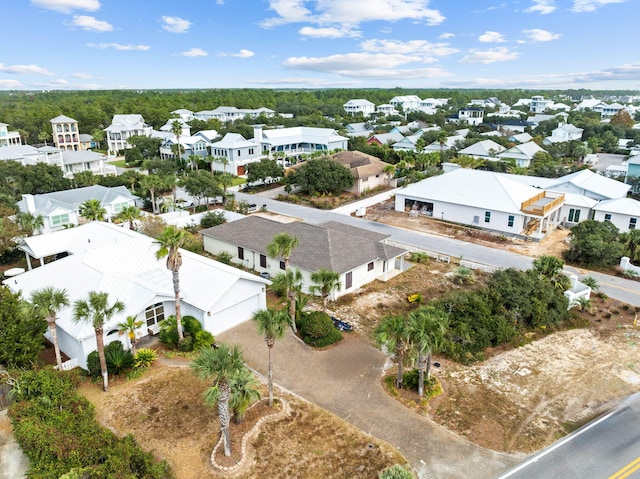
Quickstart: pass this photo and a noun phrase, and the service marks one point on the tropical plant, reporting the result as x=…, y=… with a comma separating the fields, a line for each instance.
x=96, y=310
x=131, y=214
x=393, y=333
x=245, y=390
x=129, y=327
x=144, y=357
x=631, y=242
x=326, y=282
x=288, y=284
x=30, y=223
x=152, y=184
x=169, y=244
x=282, y=245
x=427, y=328
x=592, y=283
x=272, y=325
x=396, y=472
x=47, y=303
x=92, y=210
x=176, y=129
x=220, y=364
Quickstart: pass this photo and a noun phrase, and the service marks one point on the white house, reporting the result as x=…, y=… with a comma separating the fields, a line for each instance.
x=8, y=138
x=237, y=151
x=485, y=149
x=587, y=183
x=522, y=154
x=168, y=126
x=359, y=256
x=231, y=113
x=576, y=208
x=448, y=143
x=103, y=257
x=538, y=104
x=406, y=102
x=622, y=212
x=472, y=116
x=190, y=145
x=124, y=127
x=564, y=132
x=386, y=109
x=353, y=107
x=30, y=155
x=486, y=200
x=298, y=140
x=61, y=209
x=183, y=114
x=86, y=160
x=359, y=129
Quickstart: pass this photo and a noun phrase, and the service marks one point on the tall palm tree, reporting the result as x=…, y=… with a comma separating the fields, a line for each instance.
x=326, y=281
x=152, y=183
x=97, y=311
x=427, y=329
x=176, y=129
x=130, y=213
x=30, y=223
x=47, y=303
x=244, y=392
x=129, y=327
x=393, y=333
x=169, y=243
x=92, y=210
x=282, y=245
x=221, y=364
x=631, y=241
x=289, y=283
x=272, y=324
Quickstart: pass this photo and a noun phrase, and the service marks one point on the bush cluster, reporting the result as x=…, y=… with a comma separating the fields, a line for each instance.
x=57, y=429
x=316, y=329
x=194, y=336
x=118, y=359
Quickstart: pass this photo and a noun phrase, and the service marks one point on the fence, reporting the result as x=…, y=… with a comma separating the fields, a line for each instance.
x=69, y=365
x=432, y=254
x=626, y=266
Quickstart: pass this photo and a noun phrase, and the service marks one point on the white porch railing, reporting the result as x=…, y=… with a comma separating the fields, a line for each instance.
x=68, y=365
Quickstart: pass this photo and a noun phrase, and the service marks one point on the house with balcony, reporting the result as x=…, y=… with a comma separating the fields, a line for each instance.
x=539, y=104
x=61, y=209
x=406, y=102
x=298, y=140
x=359, y=106
x=186, y=128
x=190, y=145
x=471, y=116
x=30, y=155
x=8, y=138
x=66, y=135
x=122, y=263
x=359, y=256
x=607, y=110
x=231, y=113
x=237, y=151
x=386, y=109
x=124, y=127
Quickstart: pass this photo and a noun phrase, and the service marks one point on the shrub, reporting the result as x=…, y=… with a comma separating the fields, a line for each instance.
x=317, y=330
x=419, y=257
x=415, y=298
x=396, y=472
x=224, y=257
x=212, y=218
x=144, y=357
x=190, y=327
x=186, y=344
x=202, y=338
x=116, y=357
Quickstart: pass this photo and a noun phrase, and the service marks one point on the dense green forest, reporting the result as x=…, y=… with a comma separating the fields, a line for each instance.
x=30, y=112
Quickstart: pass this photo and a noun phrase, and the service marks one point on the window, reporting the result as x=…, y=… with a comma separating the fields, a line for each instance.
x=282, y=265
x=263, y=261
x=370, y=266
x=632, y=223
x=60, y=220
x=348, y=280
x=154, y=314
x=510, y=221
x=574, y=215
x=117, y=208
x=487, y=216
x=607, y=217
x=240, y=252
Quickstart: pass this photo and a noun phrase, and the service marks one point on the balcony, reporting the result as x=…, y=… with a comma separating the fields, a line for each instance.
x=542, y=204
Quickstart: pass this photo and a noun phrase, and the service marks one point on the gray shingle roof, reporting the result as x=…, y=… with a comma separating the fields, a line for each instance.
x=330, y=245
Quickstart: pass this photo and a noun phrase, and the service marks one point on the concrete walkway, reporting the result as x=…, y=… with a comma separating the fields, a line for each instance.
x=345, y=380
x=13, y=462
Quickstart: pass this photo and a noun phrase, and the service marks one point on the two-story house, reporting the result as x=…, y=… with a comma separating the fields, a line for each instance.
x=124, y=127
x=298, y=140
x=354, y=107
x=237, y=151
x=66, y=135
x=8, y=138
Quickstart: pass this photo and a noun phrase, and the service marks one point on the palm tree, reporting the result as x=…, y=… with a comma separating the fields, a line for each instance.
x=47, y=302
x=97, y=311
x=30, y=223
x=282, y=245
x=170, y=241
x=176, y=129
x=272, y=324
x=288, y=283
x=393, y=333
x=220, y=363
x=130, y=213
x=631, y=241
x=244, y=392
x=427, y=328
x=129, y=327
x=226, y=180
x=326, y=281
x=92, y=210
x=152, y=183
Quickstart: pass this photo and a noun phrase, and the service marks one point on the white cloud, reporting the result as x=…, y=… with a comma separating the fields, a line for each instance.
x=243, y=53
x=537, y=35
x=491, y=37
x=10, y=84
x=629, y=71
x=329, y=32
x=446, y=36
x=543, y=7
x=25, y=70
x=365, y=65
x=422, y=48
x=118, y=46
x=591, y=5
x=82, y=76
x=305, y=82
x=493, y=55
x=68, y=6
x=352, y=12
x=175, y=24
x=195, y=52
x=91, y=24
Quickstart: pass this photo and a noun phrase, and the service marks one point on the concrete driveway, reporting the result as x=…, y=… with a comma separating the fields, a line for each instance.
x=345, y=380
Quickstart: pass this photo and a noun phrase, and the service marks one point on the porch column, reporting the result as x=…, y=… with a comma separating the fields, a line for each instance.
x=29, y=267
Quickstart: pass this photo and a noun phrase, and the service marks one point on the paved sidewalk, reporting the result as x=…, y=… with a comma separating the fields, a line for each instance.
x=345, y=380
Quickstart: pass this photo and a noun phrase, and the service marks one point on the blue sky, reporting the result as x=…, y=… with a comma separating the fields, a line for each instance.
x=150, y=44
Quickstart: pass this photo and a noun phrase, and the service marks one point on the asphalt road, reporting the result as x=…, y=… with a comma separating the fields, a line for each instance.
x=605, y=448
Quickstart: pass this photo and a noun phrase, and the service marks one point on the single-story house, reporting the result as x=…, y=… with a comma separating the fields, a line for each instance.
x=86, y=160
x=521, y=138
x=485, y=149
x=448, y=143
x=359, y=129
x=367, y=170
x=484, y=199
x=522, y=154
x=386, y=138
x=103, y=257
x=61, y=209
x=622, y=212
x=359, y=256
